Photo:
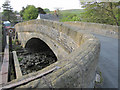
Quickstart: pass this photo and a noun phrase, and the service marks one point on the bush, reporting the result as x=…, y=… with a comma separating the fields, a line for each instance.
x=69, y=17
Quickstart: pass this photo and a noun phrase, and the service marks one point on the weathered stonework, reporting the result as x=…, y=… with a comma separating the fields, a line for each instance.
x=103, y=29
x=77, y=54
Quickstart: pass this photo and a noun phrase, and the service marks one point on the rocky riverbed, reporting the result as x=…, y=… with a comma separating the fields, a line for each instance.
x=32, y=62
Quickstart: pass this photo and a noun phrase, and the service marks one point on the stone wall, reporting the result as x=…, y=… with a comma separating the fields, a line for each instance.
x=103, y=29
x=77, y=54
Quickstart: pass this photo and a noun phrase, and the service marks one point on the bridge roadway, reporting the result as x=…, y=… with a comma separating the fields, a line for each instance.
x=108, y=61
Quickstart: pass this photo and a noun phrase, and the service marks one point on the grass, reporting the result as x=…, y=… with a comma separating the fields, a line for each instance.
x=72, y=11
x=70, y=15
x=101, y=79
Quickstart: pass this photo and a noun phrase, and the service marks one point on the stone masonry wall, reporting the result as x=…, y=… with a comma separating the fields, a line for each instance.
x=77, y=54
x=103, y=29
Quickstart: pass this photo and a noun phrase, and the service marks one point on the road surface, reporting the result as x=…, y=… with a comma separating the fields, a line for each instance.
x=108, y=61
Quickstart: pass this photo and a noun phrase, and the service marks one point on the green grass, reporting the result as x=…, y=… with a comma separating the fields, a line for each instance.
x=72, y=11
x=70, y=15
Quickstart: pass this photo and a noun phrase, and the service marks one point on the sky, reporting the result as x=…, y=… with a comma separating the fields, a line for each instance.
x=50, y=4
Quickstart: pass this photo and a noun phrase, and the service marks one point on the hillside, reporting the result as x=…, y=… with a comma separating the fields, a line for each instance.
x=70, y=15
x=73, y=11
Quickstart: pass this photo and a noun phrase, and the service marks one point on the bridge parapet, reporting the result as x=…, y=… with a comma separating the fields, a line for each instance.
x=103, y=29
x=77, y=53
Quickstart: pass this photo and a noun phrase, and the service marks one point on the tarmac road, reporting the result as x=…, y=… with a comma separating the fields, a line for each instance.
x=108, y=61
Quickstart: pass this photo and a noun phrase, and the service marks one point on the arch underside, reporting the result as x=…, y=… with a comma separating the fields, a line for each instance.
x=58, y=50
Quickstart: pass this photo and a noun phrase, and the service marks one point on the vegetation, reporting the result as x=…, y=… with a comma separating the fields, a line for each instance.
x=20, y=59
x=101, y=12
x=30, y=12
x=47, y=10
x=16, y=46
x=8, y=13
x=41, y=11
x=96, y=12
x=70, y=15
x=22, y=11
x=0, y=19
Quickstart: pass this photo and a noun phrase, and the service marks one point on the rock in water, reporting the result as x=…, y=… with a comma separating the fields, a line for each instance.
x=33, y=62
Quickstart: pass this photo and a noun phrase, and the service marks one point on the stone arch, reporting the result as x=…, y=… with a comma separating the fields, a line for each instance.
x=59, y=51
x=74, y=69
x=38, y=45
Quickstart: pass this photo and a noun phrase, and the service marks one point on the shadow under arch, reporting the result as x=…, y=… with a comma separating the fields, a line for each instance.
x=38, y=45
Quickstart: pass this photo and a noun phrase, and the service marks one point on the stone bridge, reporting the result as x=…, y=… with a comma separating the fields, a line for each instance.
x=96, y=28
x=77, y=54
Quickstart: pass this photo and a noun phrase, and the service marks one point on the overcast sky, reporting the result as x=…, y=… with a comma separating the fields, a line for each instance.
x=50, y=4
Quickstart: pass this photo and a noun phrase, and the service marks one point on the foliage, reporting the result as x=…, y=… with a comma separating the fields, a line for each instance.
x=6, y=5
x=73, y=11
x=46, y=10
x=0, y=18
x=22, y=11
x=13, y=42
x=71, y=15
x=20, y=59
x=41, y=11
x=30, y=12
x=8, y=13
x=101, y=12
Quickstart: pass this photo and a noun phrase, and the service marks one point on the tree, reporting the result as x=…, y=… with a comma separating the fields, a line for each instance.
x=6, y=5
x=101, y=12
x=30, y=12
x=22, y=11
x=41, y=11
x=46, y=10
x=8, y=13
